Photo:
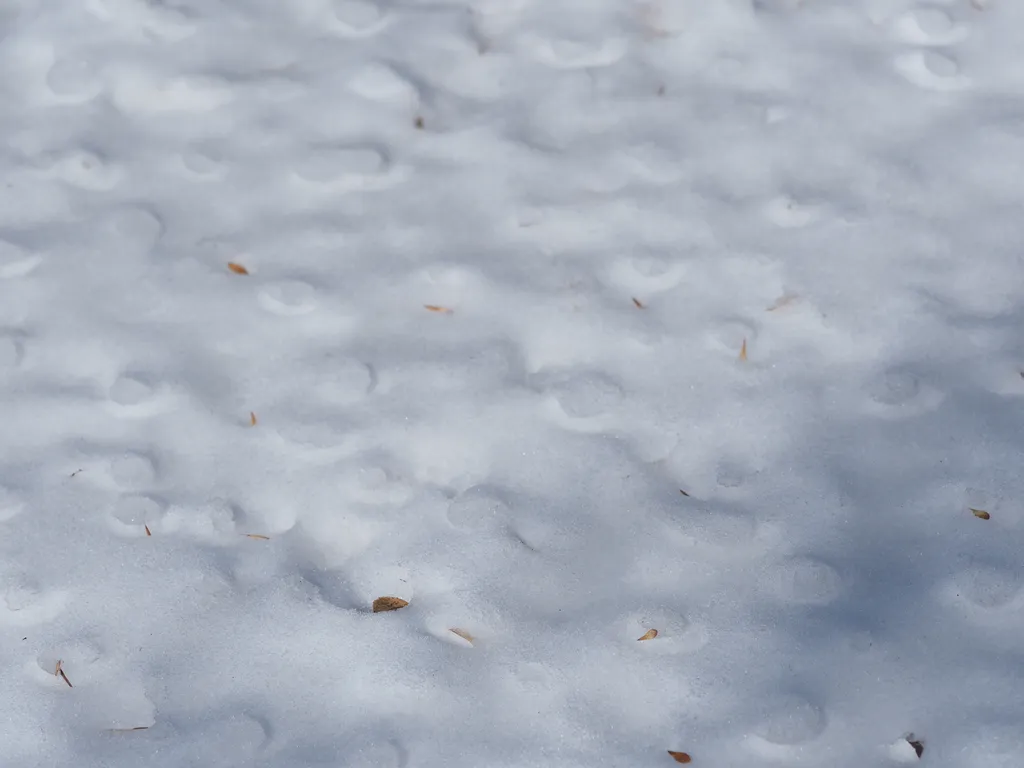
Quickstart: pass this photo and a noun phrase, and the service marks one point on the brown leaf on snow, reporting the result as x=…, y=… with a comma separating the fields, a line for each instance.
x=916, y=743
x=980, y=513
x=60, y=671
x=461, y=633
x=259, y=536
x=680, y=757
x=438, y=308
x=238, y=269
x=148, y=532
x=382, y=604
x=639, y=304
x=650, y=634
x=252, y=419
x=743, y=351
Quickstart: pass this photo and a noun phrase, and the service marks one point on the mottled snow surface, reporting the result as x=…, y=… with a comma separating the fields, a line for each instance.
x=567, y=322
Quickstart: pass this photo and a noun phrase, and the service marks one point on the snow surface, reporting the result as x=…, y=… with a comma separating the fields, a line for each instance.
x=520, y=274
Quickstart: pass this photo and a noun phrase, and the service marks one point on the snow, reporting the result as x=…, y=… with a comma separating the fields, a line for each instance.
x=563, y=321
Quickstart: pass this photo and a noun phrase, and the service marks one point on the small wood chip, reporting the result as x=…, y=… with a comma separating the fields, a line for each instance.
x=680, y=757
x=438, y=308
x=639, y=304
x=259, y=536
x=917, y=744
x=650, y=634
x=60, y=671
x=252, y=419
x=980, y=513
x=743, y=351
x=382, y=604
x=463, y=634
x=238, y=269
x=148, y=532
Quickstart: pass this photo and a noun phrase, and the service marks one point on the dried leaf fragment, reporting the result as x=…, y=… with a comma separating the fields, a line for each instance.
x=684, y=493
x=148, y=532
x=743, y=351
x=981, y=513
x=916, y=743
x=238, y=269
x=680, y=757
x=382, y=604
x=60, y=671
x=639, y=304
x=252, y=419
x=463, y=634
x=650, y=634
x=259, y=536
x=438, y=308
